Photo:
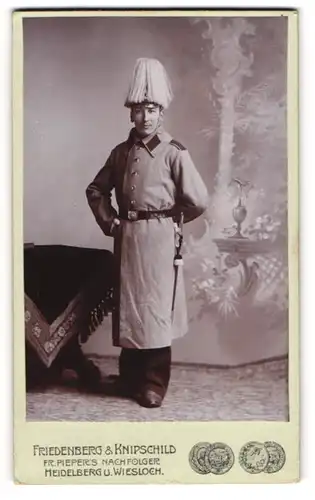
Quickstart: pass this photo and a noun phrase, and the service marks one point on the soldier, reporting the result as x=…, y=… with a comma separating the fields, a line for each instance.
x=155, y=181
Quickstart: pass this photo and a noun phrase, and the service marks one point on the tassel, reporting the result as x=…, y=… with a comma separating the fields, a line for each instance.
x=178, y=261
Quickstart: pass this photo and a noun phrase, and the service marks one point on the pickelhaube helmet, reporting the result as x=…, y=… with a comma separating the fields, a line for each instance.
x=149, y=84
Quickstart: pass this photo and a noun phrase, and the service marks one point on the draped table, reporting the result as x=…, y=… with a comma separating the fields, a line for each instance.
x=68, y=292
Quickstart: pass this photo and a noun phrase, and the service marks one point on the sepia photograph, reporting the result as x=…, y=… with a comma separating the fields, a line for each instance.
x=155, y=218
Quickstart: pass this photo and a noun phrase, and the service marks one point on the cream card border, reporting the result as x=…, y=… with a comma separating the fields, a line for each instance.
x=182, y=435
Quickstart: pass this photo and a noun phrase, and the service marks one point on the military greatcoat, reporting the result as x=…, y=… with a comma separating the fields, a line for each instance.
x=155, y=173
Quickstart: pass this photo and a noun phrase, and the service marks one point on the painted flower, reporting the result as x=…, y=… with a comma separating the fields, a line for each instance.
x=204, y=285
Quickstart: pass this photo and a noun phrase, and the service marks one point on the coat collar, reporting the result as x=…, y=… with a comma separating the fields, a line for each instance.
x=149, y=143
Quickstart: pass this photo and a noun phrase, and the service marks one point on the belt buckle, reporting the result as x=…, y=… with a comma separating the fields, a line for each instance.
x=132, y=215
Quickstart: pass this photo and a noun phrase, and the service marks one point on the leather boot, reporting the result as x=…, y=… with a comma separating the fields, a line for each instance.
x=156, y=369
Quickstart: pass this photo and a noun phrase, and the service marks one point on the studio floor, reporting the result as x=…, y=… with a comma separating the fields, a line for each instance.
x=252, y=392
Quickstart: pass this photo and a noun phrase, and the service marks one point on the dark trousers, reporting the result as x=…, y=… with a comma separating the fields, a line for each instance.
x=142, y=369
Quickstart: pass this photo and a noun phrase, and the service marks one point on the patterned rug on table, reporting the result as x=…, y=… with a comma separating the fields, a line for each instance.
x=68, y=292
x=253, y=392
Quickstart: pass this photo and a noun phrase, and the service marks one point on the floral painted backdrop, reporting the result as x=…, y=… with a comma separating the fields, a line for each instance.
x=247, y=127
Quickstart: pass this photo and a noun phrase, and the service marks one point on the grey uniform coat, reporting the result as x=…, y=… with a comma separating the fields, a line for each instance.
x=155, y=173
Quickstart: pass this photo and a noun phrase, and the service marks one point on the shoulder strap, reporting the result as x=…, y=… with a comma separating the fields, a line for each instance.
x=177, y=145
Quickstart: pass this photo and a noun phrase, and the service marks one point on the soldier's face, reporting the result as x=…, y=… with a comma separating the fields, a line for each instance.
x=146, y=118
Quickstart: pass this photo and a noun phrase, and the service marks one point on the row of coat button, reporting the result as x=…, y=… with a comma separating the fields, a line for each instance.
x=135, y=173
x=133, y=187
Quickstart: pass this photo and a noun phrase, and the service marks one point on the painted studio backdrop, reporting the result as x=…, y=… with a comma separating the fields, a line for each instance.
x=229, y=110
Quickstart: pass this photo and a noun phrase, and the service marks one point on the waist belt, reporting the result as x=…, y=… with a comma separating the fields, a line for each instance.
x=133, y=215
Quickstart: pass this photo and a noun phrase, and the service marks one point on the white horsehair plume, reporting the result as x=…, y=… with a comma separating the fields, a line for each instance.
x=150, y=83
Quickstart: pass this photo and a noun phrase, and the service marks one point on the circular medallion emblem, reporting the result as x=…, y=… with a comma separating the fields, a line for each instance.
x=276, y=457
x=253, y=457
x=219, y=458
x=197, y=458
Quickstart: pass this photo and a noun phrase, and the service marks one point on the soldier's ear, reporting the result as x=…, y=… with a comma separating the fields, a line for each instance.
x=132, y=119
